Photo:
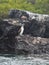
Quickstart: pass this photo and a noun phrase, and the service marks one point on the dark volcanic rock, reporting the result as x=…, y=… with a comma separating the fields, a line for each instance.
x=10, y=41
x=7, y=36
x=28, y=44
x=17, y=14
x=46, y=34
x=35, y=38
x=35, y=28
x=38, y=25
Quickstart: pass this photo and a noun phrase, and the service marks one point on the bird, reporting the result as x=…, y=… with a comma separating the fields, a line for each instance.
x=21, y=30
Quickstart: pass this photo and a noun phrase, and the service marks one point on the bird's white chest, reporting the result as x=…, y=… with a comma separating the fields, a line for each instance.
x=22, y=30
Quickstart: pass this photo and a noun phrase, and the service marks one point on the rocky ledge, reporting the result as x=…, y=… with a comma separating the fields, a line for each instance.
x=35, y=37
x=32, y=45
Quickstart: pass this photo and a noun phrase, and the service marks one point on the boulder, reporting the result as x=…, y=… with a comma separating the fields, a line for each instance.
x=32, y=45
x=8, y=32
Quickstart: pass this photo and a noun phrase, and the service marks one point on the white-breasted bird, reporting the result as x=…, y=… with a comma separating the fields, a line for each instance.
x=21, y=30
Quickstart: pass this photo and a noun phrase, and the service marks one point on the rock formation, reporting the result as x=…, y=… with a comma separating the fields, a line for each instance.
x=35, y=45
x=35, y=38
